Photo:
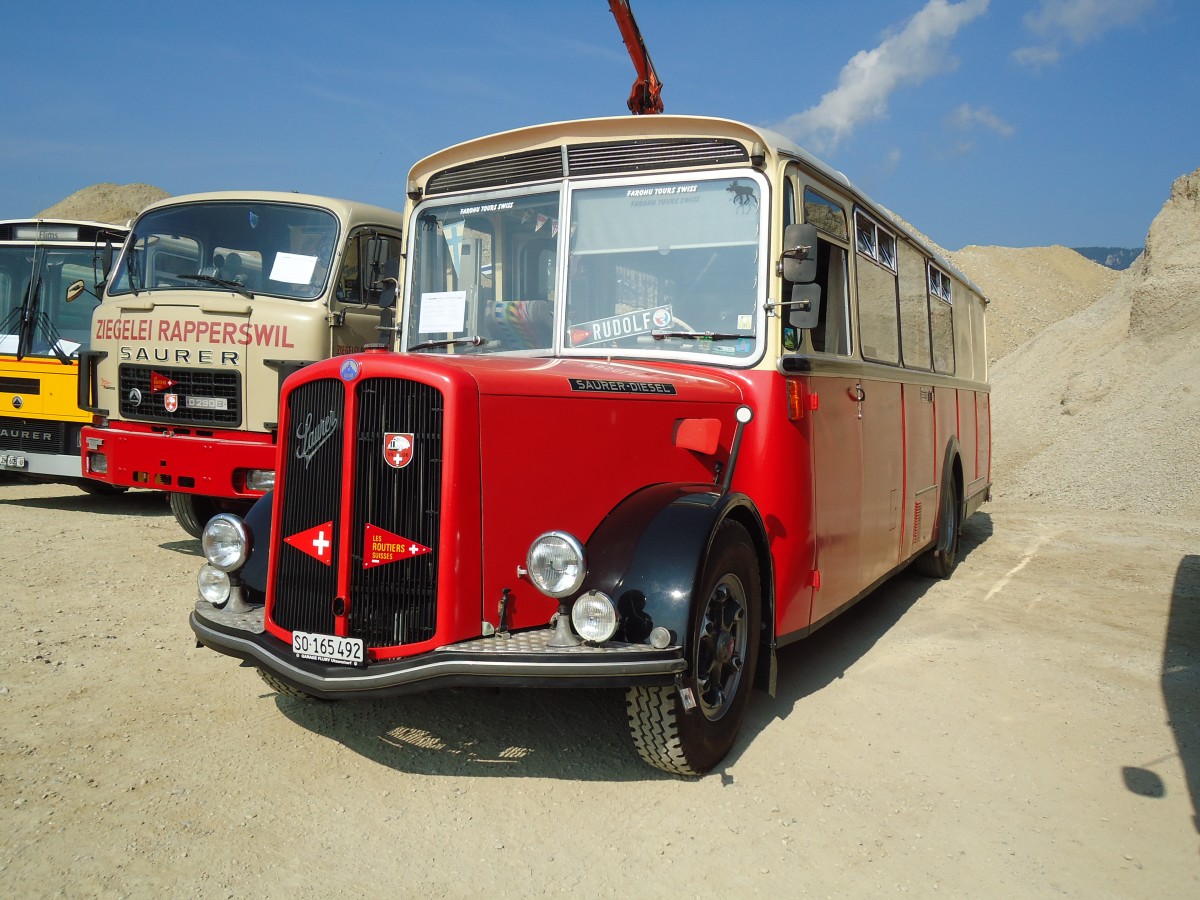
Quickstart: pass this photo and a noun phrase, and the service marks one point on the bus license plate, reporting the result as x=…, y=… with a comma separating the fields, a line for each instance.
x=345, y=651
x=12, y=461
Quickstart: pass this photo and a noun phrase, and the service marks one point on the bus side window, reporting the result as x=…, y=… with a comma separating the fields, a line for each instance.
x=832, y=334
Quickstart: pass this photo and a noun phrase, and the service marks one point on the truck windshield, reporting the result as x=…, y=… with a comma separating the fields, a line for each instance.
x=654, y=268
x=33, y=285
x=245, y=248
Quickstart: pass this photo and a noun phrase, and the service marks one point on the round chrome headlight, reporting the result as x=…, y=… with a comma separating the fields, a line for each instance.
x=556, y=563
x=226, y=542
x=214, y=584
x=594, y=617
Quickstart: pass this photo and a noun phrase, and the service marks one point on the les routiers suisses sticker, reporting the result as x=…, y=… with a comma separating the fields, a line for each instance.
x=380, y=546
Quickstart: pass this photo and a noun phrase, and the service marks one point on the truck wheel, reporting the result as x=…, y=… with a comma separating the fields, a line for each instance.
x=721, y=657
x=282, y=687
x=937, y=563
x=100, y=488
x=193, y=511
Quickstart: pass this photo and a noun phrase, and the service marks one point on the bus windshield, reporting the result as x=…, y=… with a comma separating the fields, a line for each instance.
x=244, y=248
x=649, y=267
x=33, y=286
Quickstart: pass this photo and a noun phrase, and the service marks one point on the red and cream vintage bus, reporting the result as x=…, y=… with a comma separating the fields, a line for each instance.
x=673, y=394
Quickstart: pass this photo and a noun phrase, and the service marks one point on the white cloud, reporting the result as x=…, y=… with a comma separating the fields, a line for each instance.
x=966, y=117
x=1075, y=22
x=915, y=53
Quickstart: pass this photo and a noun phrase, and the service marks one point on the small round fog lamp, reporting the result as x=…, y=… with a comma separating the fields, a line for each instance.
x=213, y=584
x=594, y=617
x=226, y=542
x=556, y=563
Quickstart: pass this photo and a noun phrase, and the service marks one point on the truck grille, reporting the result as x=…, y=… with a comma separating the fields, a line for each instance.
x=36, y=436
x=197, y=392
x=390, y=604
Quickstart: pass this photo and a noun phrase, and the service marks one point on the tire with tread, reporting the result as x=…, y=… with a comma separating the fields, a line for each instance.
x=100, y=488
x=934, y=562
x=192, y=512
x=284, y=689
x=721, y=655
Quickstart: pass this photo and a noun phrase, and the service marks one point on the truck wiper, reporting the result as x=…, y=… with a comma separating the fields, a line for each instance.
x=697, y=335
x=474, y=340
x=221, y=282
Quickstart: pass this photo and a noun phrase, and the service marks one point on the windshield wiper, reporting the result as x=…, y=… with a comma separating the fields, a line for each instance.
x=698, y=335
x=221, y=282
x=474, y=340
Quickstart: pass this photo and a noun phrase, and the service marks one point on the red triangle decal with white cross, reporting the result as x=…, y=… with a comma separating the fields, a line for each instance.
x=317, y=542
x=381, y=547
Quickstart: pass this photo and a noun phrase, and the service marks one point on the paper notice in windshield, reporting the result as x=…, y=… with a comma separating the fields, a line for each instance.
x=293, y=268
x=443, y=312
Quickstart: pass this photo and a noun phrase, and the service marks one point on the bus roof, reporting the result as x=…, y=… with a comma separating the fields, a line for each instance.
x=584, y=131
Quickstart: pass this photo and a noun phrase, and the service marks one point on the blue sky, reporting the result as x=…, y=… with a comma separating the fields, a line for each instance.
x=1010, y=122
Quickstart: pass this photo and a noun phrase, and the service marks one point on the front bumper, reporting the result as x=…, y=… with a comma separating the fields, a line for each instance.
x=515, y=659
x=213, y=464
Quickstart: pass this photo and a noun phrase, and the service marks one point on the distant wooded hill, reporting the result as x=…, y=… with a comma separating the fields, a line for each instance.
x=1113, y=257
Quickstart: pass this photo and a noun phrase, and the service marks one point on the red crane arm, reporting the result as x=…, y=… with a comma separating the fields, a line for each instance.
x=646, y=96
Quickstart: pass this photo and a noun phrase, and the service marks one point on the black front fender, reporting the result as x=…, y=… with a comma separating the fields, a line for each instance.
x=649, y=553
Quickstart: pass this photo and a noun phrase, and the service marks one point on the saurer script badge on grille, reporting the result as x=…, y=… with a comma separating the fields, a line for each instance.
x=398, y=449
x=311, y=435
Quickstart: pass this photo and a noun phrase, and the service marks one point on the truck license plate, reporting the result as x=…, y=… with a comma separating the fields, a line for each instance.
x=344, y=651
x=221, y=403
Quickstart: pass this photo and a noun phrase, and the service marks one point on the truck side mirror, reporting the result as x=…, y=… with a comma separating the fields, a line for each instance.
x=798, y=261
x=391, y=284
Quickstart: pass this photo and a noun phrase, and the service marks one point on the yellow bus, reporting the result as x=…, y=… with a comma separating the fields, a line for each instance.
x=42, y=333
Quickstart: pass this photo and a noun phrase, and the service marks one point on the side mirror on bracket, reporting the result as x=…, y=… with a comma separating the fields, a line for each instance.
x=798, y=261
x=390, y=283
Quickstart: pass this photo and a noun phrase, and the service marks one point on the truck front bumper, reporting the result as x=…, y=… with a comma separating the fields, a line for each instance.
x=514, y=659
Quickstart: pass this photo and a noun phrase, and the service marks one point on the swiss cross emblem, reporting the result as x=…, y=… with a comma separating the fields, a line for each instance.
x=398, y=449
x=381, y=547
x=160, y=382
x=171, y=402
x=317, y=542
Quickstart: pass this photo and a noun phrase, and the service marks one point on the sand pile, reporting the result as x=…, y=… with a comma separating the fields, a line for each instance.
x=112, y=203
x=1031, y=288
x=1102, y=408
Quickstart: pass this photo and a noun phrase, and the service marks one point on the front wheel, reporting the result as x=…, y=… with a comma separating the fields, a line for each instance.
x=722, y=650
x=193, y=511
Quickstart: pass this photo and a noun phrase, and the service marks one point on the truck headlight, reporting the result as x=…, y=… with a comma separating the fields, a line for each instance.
x=556, y=563
x=226, y=542
x=260, y=480
x=214, y=584
x=594, y=617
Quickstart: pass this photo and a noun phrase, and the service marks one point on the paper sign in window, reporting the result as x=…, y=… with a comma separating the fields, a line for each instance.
x=443, y=312
x=293, y=268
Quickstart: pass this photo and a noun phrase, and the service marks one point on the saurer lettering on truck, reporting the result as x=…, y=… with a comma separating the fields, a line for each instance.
x=167, y=331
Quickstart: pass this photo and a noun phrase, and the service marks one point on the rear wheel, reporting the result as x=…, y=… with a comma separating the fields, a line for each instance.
x=723, y=647
x=192, y=512
x=940, y=560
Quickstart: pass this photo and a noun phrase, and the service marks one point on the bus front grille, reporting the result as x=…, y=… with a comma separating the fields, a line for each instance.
x=391, y=598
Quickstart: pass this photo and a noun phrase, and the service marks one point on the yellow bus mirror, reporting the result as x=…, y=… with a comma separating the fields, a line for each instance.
x=74, y=289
